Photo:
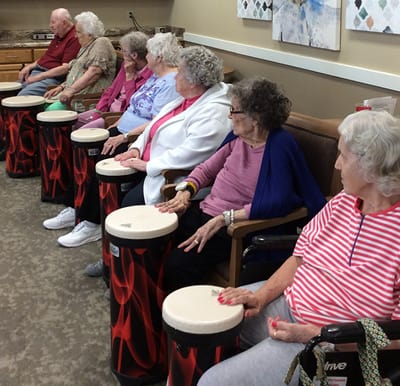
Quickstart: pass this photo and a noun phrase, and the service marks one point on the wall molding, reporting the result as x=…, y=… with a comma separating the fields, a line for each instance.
x=357, y=74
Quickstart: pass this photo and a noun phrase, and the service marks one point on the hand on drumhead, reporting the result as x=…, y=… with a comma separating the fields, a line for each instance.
x=249, y=299
x=178, y=204
x=135, y=163
x=132, y=153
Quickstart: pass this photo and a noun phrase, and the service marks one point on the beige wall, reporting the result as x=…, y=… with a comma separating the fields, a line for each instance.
x=311, y=93
x=24, y=14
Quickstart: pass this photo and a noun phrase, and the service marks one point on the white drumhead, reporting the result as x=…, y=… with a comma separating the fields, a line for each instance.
x=111, y=167
x=140, y=222
x=10, y=86
x=23, y=101
x=196, y=310
x=90, y=135
x=57, y=116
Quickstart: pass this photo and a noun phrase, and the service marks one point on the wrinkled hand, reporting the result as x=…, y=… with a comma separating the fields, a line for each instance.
x=66, y=95
x=133, y=153
x=178, y=204
x=23, y=74
x=203, y=234
x=249, y=299
x=135, y=163
x=53, y=92
x=111, y=144
x=291, y=332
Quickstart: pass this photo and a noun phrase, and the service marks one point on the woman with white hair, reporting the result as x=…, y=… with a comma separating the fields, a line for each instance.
x=93, y=69
x=345, y=266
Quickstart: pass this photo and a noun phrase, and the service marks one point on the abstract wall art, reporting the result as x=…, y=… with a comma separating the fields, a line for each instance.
x=373, y=16
x=254, y=9
x=314, y=23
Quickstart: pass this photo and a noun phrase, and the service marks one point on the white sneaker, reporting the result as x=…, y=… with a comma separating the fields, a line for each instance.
x=85, y=232
x=66, y=218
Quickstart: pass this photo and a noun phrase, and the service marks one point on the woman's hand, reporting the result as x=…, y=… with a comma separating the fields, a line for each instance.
x=178, y=204
x=249, y=299
x=135, y=163
x=132, y=153
x=53, y=92
x=291, y=332
x=67, y=95
x=112, y=143
x=203, y=234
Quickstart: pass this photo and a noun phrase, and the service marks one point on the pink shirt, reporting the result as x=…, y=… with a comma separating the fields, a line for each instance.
x=351, y=265
x=177, y=110
x=233, y=172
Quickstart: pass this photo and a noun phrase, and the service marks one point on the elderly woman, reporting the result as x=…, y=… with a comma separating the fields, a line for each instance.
x=346, y=247
x=159, y=89
x=133, y=73
x=93, y=69
x=185, y=132
x=259, y=173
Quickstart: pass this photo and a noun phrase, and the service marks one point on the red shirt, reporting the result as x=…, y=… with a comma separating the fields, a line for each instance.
x=61, y=50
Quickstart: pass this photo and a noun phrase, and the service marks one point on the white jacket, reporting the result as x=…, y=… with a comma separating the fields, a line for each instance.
x=186, y=139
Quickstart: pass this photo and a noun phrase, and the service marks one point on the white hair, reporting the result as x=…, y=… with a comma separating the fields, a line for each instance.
x=91, y=24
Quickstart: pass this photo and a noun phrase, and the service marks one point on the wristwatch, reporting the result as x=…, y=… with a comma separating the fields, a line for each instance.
x=184, y=185
x=125, y=135
x=227, y=217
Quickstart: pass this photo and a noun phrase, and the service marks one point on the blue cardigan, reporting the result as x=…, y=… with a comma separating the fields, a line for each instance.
x=284, y=181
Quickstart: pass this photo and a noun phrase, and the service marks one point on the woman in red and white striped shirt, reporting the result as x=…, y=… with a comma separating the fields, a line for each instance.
x=345, y=266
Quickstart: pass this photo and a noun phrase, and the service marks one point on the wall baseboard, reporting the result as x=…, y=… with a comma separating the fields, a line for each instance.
x=344, y=71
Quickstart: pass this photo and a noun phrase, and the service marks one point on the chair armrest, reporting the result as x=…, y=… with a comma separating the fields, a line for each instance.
x=168, y=191
x=89, y=103
x=110, y=118
x=170, y=175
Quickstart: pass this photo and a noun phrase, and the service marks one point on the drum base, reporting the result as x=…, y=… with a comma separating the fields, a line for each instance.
x=130, y=381
x=53, y=200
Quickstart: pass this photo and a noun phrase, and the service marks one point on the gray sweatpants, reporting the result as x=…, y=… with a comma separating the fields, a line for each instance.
x=265, y=361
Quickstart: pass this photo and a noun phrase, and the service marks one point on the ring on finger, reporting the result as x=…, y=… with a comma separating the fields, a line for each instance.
x=275, y=334
x=196, y=242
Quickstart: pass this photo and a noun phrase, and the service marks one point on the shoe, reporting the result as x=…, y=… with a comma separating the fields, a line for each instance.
x=107, y=294
x=83, y=233
x=94, y=269
x=66, y=218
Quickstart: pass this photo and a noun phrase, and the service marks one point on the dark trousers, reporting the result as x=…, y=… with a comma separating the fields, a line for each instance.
x=188, y=268
x=90, y=209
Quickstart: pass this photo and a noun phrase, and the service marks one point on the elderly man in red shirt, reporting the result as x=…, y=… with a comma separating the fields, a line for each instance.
x=52, y=67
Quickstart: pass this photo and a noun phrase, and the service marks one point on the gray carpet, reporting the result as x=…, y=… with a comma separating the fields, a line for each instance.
x=54, y=321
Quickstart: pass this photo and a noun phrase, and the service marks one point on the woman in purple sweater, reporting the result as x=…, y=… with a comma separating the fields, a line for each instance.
x=259, y=172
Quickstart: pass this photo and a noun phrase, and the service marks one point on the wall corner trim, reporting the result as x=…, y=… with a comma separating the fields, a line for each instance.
x=356, y=74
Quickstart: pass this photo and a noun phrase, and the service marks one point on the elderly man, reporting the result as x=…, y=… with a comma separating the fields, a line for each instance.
x=52, y=67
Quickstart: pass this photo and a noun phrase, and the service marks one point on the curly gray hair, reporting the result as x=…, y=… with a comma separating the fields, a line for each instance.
x=166, y=46
x=91, y=24
x=135, y=42
x=201, y=66
x=374, y=136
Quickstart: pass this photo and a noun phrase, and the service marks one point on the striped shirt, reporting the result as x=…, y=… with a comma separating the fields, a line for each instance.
x=351, y=265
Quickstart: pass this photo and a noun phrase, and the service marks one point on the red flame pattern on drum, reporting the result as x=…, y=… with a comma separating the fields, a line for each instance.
x=55, y=160
x=4, y=94
x=84, y=171
x=187, y=364
x=22, y=157
x=138, y=341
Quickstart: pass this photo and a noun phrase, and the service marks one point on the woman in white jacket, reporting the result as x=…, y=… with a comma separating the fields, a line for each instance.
x=187, y=131
x=184, y=133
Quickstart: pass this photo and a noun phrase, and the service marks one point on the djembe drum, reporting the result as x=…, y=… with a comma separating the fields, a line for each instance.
x=55, y=129
x=86, y=147
x=140, y=240
x=7, y=89
x=22, y=155
x=115, y=181
x=201, y=331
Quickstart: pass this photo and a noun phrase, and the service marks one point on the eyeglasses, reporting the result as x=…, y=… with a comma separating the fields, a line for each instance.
x=232, y=111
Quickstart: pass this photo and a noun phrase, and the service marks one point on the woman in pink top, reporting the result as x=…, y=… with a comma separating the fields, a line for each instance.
x=131, y=76
x=345, y=266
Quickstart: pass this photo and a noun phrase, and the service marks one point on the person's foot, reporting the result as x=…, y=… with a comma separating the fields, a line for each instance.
x=66, y=218
x=2, y=154
x=83, y=233
x=95, y=269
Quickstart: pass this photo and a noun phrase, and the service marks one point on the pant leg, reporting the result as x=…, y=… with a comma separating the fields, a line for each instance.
x=266, y=361
x=135, y=195
x=189, y=268
x=89, y=119
x=38, y=88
